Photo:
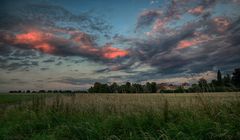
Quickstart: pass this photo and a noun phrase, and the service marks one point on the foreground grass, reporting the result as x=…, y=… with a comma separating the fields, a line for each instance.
x=102, y=117
x=14, y=98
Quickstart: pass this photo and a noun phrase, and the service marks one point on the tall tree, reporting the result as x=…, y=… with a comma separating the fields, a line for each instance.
x=128, y=87
x=236, y=77
x=203, y=84
x=227, y=80
x=219, y=77
x=114, y=87
x=137, y=88
x=104, y=88
x=148, y=87
x=153, y=87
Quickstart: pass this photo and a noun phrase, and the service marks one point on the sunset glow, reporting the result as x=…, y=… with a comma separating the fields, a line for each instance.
x=112, y=53
x=76, y=43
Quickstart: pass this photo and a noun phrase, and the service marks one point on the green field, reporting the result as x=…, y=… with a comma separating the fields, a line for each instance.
x=14, y=98
x=120, y=116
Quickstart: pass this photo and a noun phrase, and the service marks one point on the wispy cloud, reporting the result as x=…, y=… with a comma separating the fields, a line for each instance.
x=179, y=37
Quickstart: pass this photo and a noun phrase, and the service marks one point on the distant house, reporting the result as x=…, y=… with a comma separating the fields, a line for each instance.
x=172, y=87
x=166, y=86
x=185, y=85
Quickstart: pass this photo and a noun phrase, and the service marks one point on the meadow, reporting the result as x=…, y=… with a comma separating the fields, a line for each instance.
x=120, y=116
x=14, y=98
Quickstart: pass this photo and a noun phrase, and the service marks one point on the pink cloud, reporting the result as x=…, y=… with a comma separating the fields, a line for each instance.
x=197, y=40
x=45, y=47
x=186, y=43
x=110, y=52
x=79, y=43
x=197, y=10
x=37, y=40
x=221, y=23
x=159, y=24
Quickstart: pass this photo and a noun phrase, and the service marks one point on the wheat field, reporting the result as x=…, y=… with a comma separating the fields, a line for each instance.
x=122, y=116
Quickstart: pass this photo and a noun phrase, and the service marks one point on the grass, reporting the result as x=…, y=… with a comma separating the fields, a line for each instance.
x=124, y=116
x=14, y=98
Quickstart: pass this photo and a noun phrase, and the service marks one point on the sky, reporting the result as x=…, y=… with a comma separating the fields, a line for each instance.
x=70, y=44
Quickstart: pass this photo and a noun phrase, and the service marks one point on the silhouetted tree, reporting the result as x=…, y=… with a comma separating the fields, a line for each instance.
x=150, y=87
x=99, y=88
x=195, y=88
x=203, y=84
x=55, y=91
x=41, y=91
x=96, y=87
x=214, y=82
x=147, y=87
x=219, y=77
x=128, y=87
x=179, y=89
x=104, y=88
x=153, y=87
x=227, y=80
x=49, y=91
x=114, y=88
x=236, y=77
x=137, y=88
x=122, y=89
x=91, y=90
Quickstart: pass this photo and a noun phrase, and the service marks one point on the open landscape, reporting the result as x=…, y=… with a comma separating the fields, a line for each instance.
x=120, y=116
x=119, y=69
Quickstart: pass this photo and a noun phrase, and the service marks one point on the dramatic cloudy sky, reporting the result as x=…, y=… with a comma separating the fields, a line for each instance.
x=70, y=44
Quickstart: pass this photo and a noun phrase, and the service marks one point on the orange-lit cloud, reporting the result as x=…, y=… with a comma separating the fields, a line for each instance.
x=221, y=23
x=110, y=52
x=158, y=25
x=37, y=40
x=31, y=37
x=79, y=44
x=199, y=39
x=45, y=47
x=197, y=10
x=186, y=43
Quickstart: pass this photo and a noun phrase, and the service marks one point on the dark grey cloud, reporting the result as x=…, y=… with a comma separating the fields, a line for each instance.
x=81, y=81
x=48, y=41
x=5, y=50
x=159, y=51
x=19, y=65
x=175, y=9
x=213, y=42
x=43, y=69
x=59, y=63
x=24, y=17
x=12, y=81
x=17, y=59
x=16, y=15
x=147, y=17
x=51, y=60
x=91, y=81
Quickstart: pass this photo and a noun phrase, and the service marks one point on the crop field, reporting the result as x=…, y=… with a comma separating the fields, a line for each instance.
x=120, y=116
x=14, y=98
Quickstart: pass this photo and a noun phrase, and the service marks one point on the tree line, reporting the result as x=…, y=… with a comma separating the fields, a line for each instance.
x=226, y=83
x=124, y=88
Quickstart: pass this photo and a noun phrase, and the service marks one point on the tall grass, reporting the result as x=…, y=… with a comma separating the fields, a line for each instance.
x=128, y=116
